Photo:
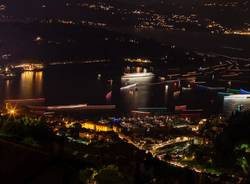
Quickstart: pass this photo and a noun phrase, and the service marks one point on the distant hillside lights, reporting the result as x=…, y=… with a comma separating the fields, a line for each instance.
x=2, y=7
x=38, y=39
x=240, y=32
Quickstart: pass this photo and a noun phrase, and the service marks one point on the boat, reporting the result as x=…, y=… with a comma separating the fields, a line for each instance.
x=210, y=88
x=8, y=76
x=152, y=109
x=25, y=101
x=199, y=82
x=222, y=94
x=234, y=91
x=140, y=113
x=242, y=91
x=131, y=86
x=174, y=75
x=57, y=108
x=202, y=69
x=177, y=93
x=237, y=97
x=230, y=75
x=186, y=88
x=190, y=111
x=72, y=107
x=108, y=95
x=128, y=87
x=137, y=75
x=191, y=74
x=180, y=107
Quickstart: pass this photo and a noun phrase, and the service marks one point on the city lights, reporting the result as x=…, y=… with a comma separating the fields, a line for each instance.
x=119, y=91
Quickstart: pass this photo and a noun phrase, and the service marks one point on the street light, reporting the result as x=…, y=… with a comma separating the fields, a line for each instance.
x=12, y=112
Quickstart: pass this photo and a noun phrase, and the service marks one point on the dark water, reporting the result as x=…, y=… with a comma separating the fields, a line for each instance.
x=80, y=84
x=27, y=85
x=230, y=45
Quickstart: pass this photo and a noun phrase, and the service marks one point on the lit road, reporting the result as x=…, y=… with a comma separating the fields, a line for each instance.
x=171, y=141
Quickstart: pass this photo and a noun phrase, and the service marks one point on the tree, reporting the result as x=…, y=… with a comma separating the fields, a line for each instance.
x=87, y=175
x=231, y=143
x=110, y=175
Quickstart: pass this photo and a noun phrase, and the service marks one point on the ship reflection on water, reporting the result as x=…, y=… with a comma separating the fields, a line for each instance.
x=140, y=95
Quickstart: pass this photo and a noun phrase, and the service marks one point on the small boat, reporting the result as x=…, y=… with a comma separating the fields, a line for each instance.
x=234, y=91
x=199, y=82
x=128, y=87
x=191, y=74
x=25, y=101
x=186, y=88
x=8, y=76
x=242, y=91
x=57, y=108
x=210, y=88
x=140, y=113
x=108, y=95
x=203, y=69
x=131, y=86
x=137, y=75
x=72, y=107
x=222, y=94
x=174, y=75
x=177, y=93
x=230, y=75
x=180, y=107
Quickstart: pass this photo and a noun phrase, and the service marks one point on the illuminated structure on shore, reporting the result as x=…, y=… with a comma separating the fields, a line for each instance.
x=30, y=66
x=100, y=127
x=138, y=60
x=242, y=33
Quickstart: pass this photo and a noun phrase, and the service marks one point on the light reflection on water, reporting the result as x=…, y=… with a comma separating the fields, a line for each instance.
x=39, y=83
x=7, y=88
x=27, y=85
x=31, y=84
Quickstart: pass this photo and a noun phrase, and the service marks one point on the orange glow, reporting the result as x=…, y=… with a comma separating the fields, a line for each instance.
x=99, y=127
x=11, y=110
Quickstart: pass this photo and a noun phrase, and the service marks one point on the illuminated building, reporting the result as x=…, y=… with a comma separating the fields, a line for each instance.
x=100, y=127
x=30, y=67
x=138, y=60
